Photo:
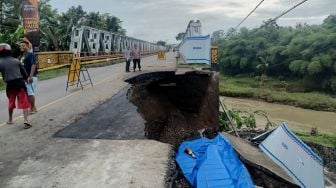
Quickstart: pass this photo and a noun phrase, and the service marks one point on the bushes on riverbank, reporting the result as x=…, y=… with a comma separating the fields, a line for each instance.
x=328, y=140
x=276, y=91
x=304, y=52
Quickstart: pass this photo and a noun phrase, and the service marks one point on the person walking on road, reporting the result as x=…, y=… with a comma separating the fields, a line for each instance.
x=29, y=62
x=14, y=74
x=136, y=54
x=128, y=58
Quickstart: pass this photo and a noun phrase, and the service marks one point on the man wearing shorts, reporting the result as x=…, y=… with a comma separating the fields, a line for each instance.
x=14, y=74
x=29, y=62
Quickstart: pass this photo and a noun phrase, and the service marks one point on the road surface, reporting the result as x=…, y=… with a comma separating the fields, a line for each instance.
x=37, y=158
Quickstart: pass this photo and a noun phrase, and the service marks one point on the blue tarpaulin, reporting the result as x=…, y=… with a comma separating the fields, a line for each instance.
x=215, y=165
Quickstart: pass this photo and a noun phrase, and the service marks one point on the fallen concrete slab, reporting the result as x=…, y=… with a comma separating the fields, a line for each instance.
x=295, y=157
x=264, y=171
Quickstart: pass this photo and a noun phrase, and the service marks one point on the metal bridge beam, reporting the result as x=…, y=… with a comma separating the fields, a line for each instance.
x=90, y=40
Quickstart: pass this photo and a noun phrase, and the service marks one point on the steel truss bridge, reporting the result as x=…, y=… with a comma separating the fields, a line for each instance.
x=88, y=41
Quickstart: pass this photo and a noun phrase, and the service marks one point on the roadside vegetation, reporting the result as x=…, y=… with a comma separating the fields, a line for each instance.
x=328, y=140
x=54, y=26
x=288, y=92
x=45, y=75
x=306, y=53
x=289, y=65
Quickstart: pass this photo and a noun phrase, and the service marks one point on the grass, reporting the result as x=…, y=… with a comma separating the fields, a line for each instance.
x=45, y=75
x=289, y=92
x=2, y=85
x=53, y=73
x=328, y=140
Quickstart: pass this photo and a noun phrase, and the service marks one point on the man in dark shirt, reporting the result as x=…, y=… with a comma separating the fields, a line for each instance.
x=14, y=74
x=29, y=62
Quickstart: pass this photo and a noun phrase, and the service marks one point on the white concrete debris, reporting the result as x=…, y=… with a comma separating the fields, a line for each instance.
x=195, y=48
x=295, y=157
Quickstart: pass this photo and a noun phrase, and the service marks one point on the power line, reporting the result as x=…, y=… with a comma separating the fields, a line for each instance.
x=271, y=20
x=249, y=14
x=235, y=28
x=274, y=19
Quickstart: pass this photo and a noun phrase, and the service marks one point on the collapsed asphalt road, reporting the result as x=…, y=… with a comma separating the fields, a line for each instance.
x=35, y=158
x=115, y=119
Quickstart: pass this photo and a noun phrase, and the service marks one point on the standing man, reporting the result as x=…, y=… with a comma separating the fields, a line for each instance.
x=14, y=74
x=177, y=55
x=29, y=62
x=136, y=54
x=128, y=58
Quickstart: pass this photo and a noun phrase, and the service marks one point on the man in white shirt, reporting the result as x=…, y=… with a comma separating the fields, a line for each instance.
x=128, y=58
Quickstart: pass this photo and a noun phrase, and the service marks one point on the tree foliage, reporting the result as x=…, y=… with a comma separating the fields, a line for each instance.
x=306, y=52
x=55, y=27
x=180, y=36
x=218, y=35
x=162, y=43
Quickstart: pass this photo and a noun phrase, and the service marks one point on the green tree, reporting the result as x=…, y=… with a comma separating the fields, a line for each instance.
x=162, y=43
x=49, y=27
x=303, y=52
x=13, y=39
x=217, y=35
x=180, y=36
x=10, y=11
x=113, y=24
x=314, y=68
x=55, y=28
x=299, y=67
x=263, y=66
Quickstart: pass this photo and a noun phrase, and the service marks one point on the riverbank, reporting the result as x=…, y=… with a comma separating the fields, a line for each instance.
x=276, y=91
x=301, y=121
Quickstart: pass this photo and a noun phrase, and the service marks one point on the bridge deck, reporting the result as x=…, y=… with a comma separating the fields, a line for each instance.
x=35, y=158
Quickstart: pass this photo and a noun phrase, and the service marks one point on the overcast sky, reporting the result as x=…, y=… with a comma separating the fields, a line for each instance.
x=154, y=20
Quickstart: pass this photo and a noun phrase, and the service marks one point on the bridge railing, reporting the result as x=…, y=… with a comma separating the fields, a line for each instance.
x=54, y=59
x=50, y=60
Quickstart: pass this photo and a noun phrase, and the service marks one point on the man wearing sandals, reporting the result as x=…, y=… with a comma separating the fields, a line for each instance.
x=14, y=74
x=29, y=62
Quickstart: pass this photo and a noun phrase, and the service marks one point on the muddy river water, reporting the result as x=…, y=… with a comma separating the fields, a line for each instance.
x=296, y=118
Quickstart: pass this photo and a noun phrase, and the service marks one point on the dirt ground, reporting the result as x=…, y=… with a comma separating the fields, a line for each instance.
x=35, y=158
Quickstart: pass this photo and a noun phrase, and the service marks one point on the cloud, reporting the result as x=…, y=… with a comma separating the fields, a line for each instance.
x=154, y=20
